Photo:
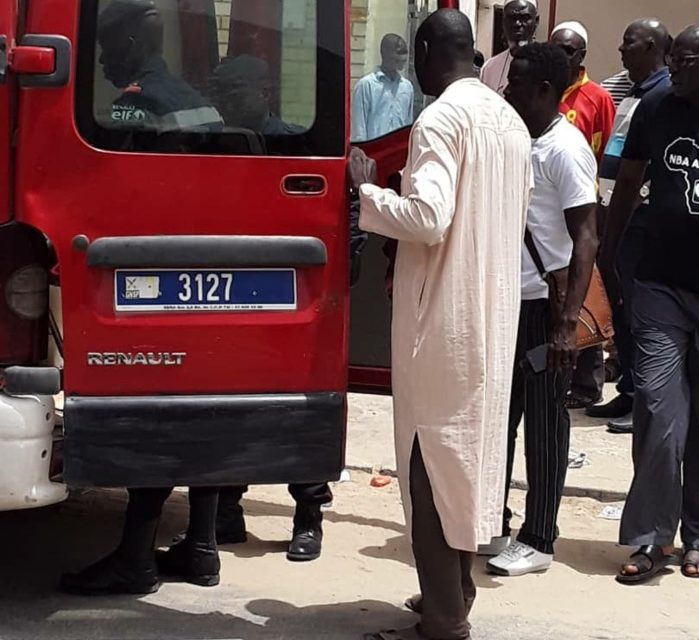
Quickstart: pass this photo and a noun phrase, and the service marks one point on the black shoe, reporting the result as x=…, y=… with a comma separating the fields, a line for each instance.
x=196, y=564
x=308, y=534
x=621, y=406
x=230, y=526
x=114, y=575
x=623, y=425
x=576, y=401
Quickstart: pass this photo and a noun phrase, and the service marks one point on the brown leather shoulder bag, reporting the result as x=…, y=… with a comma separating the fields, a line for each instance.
x=595, y=319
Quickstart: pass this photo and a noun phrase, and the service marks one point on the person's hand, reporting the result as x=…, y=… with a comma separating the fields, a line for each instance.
x=361, y=168
x=563, y=353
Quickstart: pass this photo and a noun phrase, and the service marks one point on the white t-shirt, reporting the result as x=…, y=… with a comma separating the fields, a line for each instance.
x=565, y=177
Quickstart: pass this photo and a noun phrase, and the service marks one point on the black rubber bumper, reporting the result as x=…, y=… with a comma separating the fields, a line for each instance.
x=204, y=440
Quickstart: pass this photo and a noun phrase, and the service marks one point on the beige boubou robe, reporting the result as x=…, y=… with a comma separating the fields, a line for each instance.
x=460, y=224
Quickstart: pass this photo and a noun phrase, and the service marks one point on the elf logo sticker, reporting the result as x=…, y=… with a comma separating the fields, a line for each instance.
x=682, y=156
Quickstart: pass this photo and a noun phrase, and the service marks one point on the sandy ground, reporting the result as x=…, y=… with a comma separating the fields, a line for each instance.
x=357, y=586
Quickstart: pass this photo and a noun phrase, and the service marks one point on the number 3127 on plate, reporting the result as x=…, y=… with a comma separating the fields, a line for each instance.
x=164, y=290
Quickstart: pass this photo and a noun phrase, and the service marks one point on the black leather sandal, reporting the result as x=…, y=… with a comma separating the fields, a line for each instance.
x=690, y=559
x=650, y=560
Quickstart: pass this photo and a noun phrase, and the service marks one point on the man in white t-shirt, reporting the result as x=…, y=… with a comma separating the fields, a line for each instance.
x=520, y=21
x=562, y=227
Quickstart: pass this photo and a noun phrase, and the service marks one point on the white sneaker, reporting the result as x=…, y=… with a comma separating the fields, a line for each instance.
x=496, y=547
x=519, y=559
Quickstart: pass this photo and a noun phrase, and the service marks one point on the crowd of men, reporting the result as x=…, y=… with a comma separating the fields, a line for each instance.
x=616, y=180
x=515, y=184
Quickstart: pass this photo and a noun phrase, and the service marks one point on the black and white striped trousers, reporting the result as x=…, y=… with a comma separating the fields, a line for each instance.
x=541, y=400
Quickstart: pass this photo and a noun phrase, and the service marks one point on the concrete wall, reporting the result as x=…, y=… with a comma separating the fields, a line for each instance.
x=607, y=19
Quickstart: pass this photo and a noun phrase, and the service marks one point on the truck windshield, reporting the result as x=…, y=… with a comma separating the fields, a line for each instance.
x=203, y=76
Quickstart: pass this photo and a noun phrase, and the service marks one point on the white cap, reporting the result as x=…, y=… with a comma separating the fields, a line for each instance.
x=575, y=27
x=535, y=3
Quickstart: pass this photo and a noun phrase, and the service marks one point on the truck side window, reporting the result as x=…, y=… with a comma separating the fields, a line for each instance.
x=386, y=96
x=205, y=76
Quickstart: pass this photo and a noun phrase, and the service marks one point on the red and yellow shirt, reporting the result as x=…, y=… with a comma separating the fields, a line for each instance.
x=591, y=109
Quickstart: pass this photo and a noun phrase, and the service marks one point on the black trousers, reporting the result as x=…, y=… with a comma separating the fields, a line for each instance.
x=589, y=375
x=305, y=494
x=627, y=261
x=448, y=590
x=146, y=505
x=541, y=400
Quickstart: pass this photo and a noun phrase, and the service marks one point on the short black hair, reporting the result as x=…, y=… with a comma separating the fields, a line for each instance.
x=546, y=63
x=392, y=42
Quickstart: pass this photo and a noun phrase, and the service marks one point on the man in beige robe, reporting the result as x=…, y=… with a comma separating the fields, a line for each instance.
x=520, y=22
x=460, y=224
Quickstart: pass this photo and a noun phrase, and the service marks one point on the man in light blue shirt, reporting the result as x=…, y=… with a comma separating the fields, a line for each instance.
x=382, y=101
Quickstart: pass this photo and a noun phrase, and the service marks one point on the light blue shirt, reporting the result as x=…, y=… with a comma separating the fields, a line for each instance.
x=381, y=105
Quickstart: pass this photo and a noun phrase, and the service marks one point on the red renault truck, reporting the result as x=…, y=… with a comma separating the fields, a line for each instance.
x=204, y=324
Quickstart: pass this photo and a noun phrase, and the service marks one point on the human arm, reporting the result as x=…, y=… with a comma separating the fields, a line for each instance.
x=626, y=196
x=360, y=106
x=605, y=125
x=573, y=169
x=582, y=227
x=426, y=212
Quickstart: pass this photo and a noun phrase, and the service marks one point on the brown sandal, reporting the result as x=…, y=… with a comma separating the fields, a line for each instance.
x=690, y=559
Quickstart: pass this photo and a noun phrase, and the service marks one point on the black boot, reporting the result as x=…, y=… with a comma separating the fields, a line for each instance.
x=195, y=559
x=131, y=569
x=308, y=534
x=230, y=522
x=194, y=563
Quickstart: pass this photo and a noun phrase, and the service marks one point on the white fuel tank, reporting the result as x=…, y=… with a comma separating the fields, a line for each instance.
x=26, y=433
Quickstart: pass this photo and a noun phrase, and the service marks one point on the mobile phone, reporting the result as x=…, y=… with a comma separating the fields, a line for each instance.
x=536, y=360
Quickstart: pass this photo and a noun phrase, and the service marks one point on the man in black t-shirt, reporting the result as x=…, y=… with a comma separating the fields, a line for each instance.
x=665, y=489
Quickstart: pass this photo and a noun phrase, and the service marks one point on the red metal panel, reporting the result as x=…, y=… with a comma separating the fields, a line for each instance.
x=8, y=20
x=77, y=189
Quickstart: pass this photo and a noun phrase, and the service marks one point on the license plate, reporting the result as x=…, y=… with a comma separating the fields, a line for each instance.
x=205, y=290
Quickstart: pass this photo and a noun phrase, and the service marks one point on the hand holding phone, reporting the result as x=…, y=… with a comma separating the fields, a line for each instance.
x=536, y=360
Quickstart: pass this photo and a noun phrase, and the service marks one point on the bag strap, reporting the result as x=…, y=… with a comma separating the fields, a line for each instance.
x=534, y=253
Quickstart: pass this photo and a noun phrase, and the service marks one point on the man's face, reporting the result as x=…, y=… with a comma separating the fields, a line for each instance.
x=574, y=47
x=395, y=58
x=684, y=66
x=521, y=92
x=520, y=22
x=119, y=58
x=635, y=49
x=242, y=103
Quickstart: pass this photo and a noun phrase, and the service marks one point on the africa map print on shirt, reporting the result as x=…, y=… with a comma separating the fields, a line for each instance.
x=683, y=156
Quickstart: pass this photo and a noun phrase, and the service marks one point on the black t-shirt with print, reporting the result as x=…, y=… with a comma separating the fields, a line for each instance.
x=670, y=141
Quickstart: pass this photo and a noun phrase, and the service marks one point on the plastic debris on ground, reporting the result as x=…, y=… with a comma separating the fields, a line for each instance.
x=577, y=460
x=612, y=512
x=381, y=481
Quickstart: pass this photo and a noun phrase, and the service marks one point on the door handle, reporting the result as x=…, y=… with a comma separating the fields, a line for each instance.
x=41, y=61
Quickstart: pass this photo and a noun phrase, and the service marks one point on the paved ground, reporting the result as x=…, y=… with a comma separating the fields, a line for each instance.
x=357, y=586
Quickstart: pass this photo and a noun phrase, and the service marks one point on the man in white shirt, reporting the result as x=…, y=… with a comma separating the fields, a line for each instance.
x=560, y=249
x=382, y=102
x=520, y=21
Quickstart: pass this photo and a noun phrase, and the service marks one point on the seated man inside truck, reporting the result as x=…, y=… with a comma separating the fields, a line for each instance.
x=130, y=33
x=241, y=89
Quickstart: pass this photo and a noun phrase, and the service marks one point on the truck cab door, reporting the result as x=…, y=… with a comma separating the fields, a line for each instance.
x=370, y=315
x=8, y=19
